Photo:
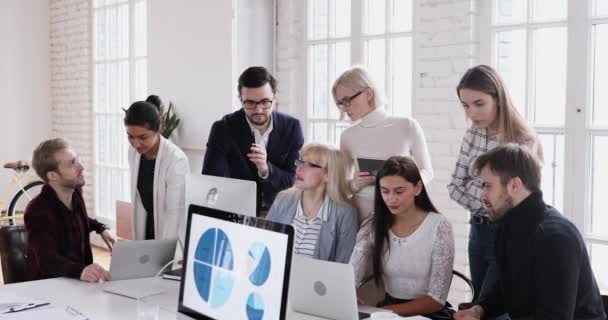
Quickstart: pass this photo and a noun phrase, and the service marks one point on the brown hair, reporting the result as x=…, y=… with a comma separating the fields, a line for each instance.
x=44, y=160
x=512, y=160
x=512, y=127
x=406, y=168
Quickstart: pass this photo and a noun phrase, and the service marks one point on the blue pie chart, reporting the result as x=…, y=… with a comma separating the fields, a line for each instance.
x=259, y=257
x=255, y=307
x=213, y=267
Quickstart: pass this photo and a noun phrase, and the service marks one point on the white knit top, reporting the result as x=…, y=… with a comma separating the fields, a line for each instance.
x=379, y=135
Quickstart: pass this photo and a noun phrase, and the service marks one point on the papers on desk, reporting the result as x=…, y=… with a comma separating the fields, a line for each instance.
x=59, y=312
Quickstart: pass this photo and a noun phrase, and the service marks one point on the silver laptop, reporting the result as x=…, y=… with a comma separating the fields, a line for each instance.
x=226, y=194
x=140, y=258
x=325, y=289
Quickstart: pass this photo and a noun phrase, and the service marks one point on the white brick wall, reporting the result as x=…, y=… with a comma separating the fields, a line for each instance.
x=71, y=82
x=291, y=46
x=445, y=45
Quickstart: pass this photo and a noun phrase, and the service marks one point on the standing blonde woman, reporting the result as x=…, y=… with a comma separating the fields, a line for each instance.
x=319, y=205
x=375, y=134
x=494, y=121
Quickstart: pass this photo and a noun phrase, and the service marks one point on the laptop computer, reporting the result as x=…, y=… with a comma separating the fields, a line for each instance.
x=325, y=289
x=227, y=194
x=140, y=258
x=235, y=266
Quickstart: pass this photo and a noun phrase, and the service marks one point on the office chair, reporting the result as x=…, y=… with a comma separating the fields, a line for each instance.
x=13, y=253
x=605, y=301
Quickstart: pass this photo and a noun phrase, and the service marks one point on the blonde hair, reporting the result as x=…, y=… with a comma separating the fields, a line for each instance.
x=338, y=166
x=512, y=127
x=357, y=78
x=44, y=159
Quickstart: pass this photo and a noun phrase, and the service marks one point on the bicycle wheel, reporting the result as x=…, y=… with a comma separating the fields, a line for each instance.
x=20, y=200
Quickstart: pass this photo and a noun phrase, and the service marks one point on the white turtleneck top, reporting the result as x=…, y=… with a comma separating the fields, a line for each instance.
x=379, y=135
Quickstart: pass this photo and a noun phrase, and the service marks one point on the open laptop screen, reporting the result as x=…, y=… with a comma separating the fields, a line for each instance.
x=235, y=267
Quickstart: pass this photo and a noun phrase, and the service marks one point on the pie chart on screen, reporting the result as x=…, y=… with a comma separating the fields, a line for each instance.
x=255, y=307
x=213, y=267
x=259, y=263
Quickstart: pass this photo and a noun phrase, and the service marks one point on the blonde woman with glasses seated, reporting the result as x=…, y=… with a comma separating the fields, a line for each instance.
x=375, y=134
x=319, y=205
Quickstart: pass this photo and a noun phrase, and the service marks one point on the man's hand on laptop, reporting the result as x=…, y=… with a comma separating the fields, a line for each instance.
x=108, y=238
x=94, y=273
x=360, y=301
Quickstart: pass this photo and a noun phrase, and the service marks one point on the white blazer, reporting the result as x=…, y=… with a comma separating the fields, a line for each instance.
x=169, y=192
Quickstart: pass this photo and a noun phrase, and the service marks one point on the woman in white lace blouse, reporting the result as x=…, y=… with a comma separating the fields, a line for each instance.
x=410, y=247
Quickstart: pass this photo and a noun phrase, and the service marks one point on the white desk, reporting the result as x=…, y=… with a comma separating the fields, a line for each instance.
x=93, y=302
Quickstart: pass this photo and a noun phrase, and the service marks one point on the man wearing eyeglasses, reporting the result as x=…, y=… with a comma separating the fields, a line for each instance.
x=256, y=142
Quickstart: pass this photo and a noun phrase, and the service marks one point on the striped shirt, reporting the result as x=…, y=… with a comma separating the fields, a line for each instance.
x=465, y=187
x=308, y=230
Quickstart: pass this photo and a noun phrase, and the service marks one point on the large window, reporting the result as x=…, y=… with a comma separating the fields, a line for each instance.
x=120, y=77
x=530, y=52
x=375, y=33
x=554, y=56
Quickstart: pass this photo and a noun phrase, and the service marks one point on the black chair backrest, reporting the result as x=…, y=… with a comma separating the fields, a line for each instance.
x=13, y=253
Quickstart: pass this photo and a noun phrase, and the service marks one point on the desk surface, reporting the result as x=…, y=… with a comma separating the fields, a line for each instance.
x=92, y=301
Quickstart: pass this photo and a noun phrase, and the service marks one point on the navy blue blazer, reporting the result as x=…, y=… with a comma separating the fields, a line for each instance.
x=230, y=140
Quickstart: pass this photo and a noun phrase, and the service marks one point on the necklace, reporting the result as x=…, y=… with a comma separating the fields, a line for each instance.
x=409, y=230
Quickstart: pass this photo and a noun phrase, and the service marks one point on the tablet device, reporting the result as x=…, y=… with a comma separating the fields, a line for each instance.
x=369, y=165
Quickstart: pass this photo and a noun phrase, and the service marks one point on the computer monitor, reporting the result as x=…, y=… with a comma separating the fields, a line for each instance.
x=232, y=195
x=235, y=266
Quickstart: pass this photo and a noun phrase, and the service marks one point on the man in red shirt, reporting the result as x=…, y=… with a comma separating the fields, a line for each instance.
x=56, y=220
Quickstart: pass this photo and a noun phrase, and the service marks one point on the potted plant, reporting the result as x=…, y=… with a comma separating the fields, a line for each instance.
x=170, y=121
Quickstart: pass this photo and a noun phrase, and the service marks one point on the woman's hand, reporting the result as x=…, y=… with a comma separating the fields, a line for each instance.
x=363, y=179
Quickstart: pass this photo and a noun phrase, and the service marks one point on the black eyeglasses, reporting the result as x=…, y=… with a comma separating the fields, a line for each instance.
x=345, y=102
x=305, y=164
x=264, y=104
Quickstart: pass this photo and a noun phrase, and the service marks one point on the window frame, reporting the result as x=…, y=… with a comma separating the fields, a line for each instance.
x=578, y=129
x=132, y=59
x=357, y=40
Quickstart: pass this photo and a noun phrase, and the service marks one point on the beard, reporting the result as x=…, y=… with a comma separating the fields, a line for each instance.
x=497, y=212
x=72, y=183
x=259, y=119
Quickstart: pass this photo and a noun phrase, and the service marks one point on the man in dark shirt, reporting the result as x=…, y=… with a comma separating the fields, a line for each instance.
x=56, y=220
x=256, y=143
x=543, y=265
